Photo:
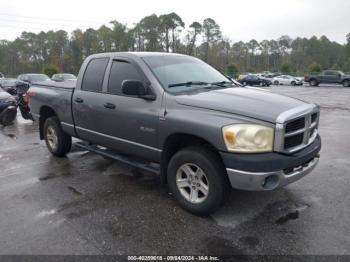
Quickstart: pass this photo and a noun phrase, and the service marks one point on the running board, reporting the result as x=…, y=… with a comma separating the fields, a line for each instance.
x=148, y=166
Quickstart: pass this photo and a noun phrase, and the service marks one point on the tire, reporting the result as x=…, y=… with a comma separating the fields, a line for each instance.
x=276, y=83
x=346, y=83
x=293, y=83
x=313, y=82
x=8, y=116
x=199, y=161
x=57, y=141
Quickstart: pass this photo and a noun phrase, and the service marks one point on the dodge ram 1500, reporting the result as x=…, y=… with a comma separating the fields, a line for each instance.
x=176, y=116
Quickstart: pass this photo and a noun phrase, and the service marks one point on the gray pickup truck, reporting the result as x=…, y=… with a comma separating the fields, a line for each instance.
x=176, y=116
x=328, y=77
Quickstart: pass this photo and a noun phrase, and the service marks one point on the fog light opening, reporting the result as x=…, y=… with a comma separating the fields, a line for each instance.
x=270, y=182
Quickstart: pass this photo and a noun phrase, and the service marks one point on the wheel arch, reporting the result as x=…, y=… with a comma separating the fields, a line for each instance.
x=45, y=113
x=177, y=141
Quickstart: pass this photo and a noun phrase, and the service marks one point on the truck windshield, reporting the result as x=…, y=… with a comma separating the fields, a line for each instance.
x=182, y=73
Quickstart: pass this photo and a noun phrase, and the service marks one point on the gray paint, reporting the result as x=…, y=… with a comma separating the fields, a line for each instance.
x=140, y=127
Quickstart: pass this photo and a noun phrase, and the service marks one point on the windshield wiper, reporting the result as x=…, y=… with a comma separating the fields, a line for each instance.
x=221, y=83
x=189, y=83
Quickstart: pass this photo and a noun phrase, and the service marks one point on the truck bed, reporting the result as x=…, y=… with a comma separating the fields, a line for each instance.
x=56, y=96
x=65, y=84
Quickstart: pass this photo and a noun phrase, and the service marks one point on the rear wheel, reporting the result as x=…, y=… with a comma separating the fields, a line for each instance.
x=276, y=83
x=313, y=82
x=198, y=180
x=57, y=141
x=346, y=83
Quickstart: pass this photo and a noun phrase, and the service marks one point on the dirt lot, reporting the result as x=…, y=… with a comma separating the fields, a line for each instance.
x=85, y=204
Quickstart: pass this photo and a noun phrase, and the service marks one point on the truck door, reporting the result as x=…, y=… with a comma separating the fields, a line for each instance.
x=330, y=77
x=132, y=122
x=88, y=101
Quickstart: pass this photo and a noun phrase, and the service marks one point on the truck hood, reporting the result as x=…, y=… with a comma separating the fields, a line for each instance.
x=248, y=102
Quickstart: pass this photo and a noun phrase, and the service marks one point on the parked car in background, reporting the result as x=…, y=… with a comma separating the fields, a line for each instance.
x=255, y=80
x=185, y=120
x=286, y=80
x=33, y=78
x=9, y=103
x=10, y=85
x=329, y=77
x=7, y=107
x=1, y=75
x=63, y=77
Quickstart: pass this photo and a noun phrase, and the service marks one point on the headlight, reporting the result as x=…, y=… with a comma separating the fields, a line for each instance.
x=248, y=138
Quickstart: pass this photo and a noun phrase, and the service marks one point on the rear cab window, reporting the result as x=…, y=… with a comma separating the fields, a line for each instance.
x=94, y=75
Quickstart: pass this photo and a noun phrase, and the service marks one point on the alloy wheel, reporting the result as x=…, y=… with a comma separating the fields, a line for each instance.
x=52, y=138
x=192, y=183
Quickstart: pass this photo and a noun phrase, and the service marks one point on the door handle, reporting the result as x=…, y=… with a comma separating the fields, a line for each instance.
x=109, y=106
x=78, y=100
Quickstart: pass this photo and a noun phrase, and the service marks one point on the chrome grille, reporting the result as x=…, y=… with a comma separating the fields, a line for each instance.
x=295, y=125
x=296, y=128
x=292, y=141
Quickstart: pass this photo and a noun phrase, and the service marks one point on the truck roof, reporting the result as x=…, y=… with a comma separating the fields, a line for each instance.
x=134, y=54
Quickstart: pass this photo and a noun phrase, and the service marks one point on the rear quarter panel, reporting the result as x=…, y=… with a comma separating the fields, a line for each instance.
x=56, y=98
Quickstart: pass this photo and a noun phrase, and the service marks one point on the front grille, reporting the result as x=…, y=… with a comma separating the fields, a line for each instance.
x=296, y=133
x=293, y=141
x=295, y=125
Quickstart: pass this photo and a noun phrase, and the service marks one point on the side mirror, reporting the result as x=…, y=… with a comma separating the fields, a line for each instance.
x=137, y=88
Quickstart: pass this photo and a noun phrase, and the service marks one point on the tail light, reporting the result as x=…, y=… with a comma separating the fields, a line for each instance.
x=27, y=96
x=30, y=94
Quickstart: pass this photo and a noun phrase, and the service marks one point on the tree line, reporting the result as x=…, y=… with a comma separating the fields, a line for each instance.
x=65, y=52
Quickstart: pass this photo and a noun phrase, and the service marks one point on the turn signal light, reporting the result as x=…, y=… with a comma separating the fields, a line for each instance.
x=230, y=137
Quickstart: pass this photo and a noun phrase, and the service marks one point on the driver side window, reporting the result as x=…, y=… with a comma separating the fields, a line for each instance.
x=120, y=71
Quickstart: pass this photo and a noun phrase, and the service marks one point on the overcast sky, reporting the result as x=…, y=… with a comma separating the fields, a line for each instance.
x=239, y=19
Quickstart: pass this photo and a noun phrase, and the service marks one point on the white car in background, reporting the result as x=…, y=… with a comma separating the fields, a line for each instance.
x=287, y=80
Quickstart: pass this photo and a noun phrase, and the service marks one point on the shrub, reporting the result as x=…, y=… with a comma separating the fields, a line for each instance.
x=286, y=68
x=50, y=69
x=314, y=68
x=232, y=70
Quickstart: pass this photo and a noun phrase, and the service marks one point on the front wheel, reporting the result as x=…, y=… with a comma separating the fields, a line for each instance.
x=57, y=141
x=198, y=180
x=8, y=116
x=346, y=83
x=276, y=83
x=293, y=83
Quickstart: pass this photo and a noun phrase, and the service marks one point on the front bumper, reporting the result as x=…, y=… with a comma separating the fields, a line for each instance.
x=259, y=172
